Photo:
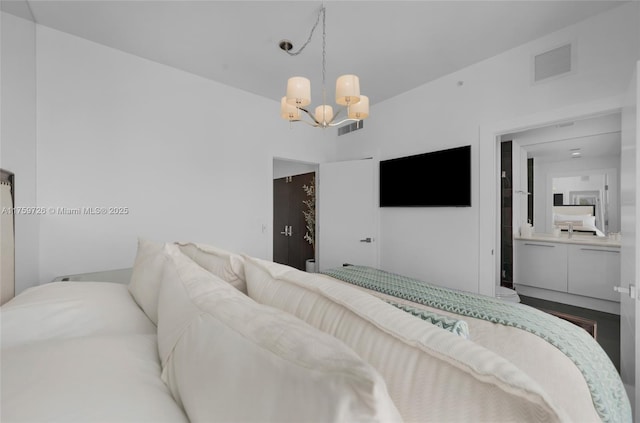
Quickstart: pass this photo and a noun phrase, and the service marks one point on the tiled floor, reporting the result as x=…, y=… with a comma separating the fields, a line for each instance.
x=608, y=335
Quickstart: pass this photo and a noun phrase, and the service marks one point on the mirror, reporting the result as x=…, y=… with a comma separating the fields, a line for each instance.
x=588, y=189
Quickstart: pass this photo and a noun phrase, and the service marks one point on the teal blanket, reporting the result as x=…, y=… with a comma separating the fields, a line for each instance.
x=607, y=391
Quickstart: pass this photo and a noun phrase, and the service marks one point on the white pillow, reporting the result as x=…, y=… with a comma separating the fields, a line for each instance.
x=230, y=359
x=589, y=222
x=431, y=374
x=179, y=270
x=146, y=276
x=224, y=264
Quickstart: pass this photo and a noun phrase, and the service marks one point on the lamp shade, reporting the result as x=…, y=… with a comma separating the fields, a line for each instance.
x=287, y=111
x=360, y=110
x=298, y=91
x=347, y=90
x=324, y=114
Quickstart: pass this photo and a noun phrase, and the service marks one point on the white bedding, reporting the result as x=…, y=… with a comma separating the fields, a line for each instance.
x=425, y=367
x=544, y=363
x=81, y=352
x=76, y=323
x=71, y=309
x=86, y=379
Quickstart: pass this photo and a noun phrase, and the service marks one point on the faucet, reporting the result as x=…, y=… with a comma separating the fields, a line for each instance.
x=570, y=229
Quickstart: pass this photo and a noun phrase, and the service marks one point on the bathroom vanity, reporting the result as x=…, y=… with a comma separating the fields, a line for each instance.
x=580, y=270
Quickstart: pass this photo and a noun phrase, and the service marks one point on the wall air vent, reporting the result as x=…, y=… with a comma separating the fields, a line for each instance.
x=350, y=127
x=553, y=63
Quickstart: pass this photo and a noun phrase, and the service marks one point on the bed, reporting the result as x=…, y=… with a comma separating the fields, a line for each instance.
x=412, y=351
x=575, y=369
x=582, y=218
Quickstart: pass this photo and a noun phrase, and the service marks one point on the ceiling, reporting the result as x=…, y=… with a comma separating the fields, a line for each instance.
x=595, y=137
x=394, y=46
x=591, y=146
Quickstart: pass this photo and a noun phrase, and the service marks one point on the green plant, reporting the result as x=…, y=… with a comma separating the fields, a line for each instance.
x=310, y=212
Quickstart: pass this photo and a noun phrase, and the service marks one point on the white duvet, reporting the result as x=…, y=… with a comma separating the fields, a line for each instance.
x=541, y=361
x=81, y=352
x=71, y=309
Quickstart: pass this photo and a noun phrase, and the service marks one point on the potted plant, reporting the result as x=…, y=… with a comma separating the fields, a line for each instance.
x=310, y=221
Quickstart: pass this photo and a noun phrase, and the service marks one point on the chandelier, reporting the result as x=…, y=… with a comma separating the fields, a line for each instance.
x=299, y=92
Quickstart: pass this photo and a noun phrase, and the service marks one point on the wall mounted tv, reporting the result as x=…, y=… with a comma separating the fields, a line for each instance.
x=435, y=179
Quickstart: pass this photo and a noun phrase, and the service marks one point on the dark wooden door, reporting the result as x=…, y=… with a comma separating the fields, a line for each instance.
x=280, y=220
x=289, y=226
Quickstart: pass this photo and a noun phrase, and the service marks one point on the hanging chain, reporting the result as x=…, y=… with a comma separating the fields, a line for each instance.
x=321, y=13
x=295, y=53
x=324, y=58
x=324, y=43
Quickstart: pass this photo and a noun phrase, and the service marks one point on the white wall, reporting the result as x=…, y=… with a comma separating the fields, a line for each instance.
x=191, y=159
x=442, y=245
x=112, y=125
x=18, y=136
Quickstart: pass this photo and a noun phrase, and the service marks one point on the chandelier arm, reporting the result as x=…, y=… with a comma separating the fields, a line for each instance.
x=332, y=124
x=310, y=115
x=315, y=125
x=295, y=53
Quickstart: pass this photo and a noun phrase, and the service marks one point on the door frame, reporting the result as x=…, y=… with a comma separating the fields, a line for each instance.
x=489, y=176
x=271, y=233
x=630, y=305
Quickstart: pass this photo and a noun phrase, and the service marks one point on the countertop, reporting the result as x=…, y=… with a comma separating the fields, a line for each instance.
x=575, y=239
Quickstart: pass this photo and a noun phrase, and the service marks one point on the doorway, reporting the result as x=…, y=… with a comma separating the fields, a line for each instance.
x=562, y=163
x=294, y=205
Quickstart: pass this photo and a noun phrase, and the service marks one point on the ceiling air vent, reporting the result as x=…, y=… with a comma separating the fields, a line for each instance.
x=552, y=63
x=350, y=127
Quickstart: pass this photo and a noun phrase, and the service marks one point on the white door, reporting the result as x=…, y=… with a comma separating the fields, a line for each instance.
x=629, y=187
x=347, y=214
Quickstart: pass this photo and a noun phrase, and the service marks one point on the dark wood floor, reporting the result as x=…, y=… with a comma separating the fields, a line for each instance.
x=608, y=325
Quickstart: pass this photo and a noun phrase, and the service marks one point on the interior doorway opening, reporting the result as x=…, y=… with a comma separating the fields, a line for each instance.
x=561, y=163
x=294, y=213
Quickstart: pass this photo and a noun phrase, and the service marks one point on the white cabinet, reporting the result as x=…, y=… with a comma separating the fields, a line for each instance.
x=541, y=264
x=585, y=270
x=594, y=271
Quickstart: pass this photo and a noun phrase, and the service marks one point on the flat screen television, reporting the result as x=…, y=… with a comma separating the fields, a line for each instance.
x=435, y=179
